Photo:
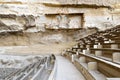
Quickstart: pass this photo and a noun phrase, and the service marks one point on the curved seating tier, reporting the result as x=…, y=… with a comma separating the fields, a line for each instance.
x=97, y=56
x=33, y=71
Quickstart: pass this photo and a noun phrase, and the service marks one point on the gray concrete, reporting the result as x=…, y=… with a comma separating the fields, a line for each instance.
x=66, y=70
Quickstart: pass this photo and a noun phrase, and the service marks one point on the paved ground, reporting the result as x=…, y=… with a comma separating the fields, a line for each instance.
x=66, y=70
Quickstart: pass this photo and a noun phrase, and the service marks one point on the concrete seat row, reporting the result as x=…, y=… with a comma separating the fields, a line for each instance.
x=94, y=68
x=106, y=53
x=97, y=56
x=6, y=71
x=33, y=71
x=27, y=71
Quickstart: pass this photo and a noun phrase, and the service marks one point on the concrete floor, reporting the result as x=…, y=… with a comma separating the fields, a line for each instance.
x=66, y=70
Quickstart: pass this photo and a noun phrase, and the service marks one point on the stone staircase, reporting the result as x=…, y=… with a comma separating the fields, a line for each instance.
x=97, y=56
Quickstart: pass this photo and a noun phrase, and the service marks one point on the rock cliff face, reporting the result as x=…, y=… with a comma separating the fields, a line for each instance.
x=24, y=14
x=34, y=20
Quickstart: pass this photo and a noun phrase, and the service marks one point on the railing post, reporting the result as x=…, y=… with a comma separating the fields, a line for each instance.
x=116, y=57
x=82, y=59
x=98, y=53
x=114, y=46
x=92, y=66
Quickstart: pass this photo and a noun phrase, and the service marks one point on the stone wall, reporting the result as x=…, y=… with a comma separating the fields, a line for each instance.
x=23, y=16
x=88, y=2
x=29, y=18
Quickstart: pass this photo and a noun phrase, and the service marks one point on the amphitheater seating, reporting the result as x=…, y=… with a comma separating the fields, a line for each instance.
x=29, y=71
x=97, y=56
x=4, y=72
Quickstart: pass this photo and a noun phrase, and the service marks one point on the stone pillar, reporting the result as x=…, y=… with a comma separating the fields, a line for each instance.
x=87, y=46
x=74, y=50
x=114, y=46
x=77, y=53
x=86, y=51
x=46, y=65
x=81, y=46
x=82, y=59
x=79, y=50
x=76, y=46
x=116, y=57
x=95, y=46
x=64, y=52
x=99, y=46
x=73, y=57
x=92, y=66
x=98, y=53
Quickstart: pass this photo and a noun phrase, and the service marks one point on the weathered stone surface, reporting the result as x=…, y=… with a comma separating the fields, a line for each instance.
x=88, y=2
x=33, y=16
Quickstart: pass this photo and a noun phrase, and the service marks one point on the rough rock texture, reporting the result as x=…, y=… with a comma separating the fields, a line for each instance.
x=25, y=22
x=8, y=61
x=107, y=3
x=88, y=2
x=49, y=36
x=31, y=14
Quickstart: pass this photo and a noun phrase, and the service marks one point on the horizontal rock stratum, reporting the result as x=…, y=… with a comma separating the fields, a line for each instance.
x=42, y=17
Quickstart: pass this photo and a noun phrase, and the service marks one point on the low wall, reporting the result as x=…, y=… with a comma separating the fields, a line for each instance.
x=54, y=72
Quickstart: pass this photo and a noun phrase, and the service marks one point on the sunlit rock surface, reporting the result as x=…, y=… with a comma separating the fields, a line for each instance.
x=34, y=22
x=19, y=15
